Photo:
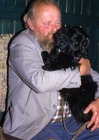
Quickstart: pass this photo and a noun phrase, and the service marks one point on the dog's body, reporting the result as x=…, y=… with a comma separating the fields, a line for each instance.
x=70, y=44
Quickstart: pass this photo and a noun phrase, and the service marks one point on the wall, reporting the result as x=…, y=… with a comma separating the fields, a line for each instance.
x=10, y=15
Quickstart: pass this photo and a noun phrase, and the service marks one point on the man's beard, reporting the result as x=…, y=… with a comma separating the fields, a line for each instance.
x=47, y=42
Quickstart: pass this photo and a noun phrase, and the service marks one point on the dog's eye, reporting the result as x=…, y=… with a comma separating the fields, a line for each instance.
x=76, y=42
x=58, y=50
x=84, y=43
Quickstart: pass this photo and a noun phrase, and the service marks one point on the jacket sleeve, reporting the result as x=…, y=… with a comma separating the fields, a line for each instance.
x=26, y=61
x=95, y=76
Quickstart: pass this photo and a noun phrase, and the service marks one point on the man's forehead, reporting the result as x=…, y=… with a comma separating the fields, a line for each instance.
x=40, y=10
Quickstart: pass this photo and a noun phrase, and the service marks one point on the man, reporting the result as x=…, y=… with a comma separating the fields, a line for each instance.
x=33, y=99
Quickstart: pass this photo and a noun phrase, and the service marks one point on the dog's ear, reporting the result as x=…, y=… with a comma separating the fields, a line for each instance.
x=85, y=41
x=85, y=49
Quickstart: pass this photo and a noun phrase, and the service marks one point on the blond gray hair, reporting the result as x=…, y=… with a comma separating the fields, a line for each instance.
x=31, y=8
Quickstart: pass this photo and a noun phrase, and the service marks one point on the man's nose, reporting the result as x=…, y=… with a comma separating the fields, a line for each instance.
x=54, y=27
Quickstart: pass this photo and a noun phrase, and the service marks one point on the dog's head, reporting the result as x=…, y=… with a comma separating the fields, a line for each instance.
x=70, y=44
x=72, y=40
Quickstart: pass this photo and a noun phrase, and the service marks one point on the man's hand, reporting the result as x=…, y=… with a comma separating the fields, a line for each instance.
x=94, y=107
x=84, y=66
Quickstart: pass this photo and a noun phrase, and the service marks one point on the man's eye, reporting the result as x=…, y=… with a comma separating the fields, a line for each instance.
x=46, y=23
x=58, y=22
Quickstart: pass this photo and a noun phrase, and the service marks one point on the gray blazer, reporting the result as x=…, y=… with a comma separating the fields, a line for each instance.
x=32, y=98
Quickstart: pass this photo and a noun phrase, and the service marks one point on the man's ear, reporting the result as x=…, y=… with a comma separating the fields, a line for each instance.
x=30, y=24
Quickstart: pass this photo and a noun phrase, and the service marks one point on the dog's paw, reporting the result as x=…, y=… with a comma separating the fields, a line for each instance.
x=45, y=56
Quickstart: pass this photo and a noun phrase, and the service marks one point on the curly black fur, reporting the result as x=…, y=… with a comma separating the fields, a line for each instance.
x=70, y=44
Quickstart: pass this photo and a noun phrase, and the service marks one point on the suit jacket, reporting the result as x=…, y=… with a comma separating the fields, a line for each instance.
x=32, y=92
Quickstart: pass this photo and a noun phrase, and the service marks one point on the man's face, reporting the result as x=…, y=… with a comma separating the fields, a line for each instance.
x=47, y=21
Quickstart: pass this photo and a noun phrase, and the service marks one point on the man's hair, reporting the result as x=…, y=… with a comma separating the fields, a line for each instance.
x=33, y=5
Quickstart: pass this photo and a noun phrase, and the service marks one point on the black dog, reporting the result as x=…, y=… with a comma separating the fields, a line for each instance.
x=70, y=44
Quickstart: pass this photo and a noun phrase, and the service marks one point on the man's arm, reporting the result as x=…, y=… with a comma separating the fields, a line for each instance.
x=84, y=66
x=94, y=106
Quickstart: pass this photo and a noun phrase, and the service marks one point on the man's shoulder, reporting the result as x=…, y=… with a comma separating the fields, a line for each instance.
x=24, y=37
